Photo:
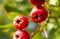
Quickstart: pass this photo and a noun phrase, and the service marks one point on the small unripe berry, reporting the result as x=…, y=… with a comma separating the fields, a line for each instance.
x=20, y=22
x=37, y=2
x=38, y=14
x=21, y=35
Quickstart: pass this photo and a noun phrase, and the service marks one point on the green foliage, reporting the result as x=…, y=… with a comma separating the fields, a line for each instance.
x=12, y=15
x=54, y=34
x=37, y=35
x=11, y=8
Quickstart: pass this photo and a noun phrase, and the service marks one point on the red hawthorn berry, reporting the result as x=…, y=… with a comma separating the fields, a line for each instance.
x=20, y=22
x=37, y=2
x=38, y=14
x=21, y=35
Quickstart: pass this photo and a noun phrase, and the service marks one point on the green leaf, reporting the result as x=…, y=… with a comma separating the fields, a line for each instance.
x=54, y=11
x=57, y=34
x=13, y=9
x=2, y=27
x=54, y=34
x=10, y=9
x=12, y=15
x=4, y=17
x=37, y=36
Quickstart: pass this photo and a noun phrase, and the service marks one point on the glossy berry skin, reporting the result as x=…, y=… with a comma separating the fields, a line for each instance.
x=20, y=22
x=38, y=14
x=37, y=2
x=21, y=35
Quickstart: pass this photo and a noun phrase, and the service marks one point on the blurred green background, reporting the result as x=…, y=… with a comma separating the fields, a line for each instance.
x=11, y=8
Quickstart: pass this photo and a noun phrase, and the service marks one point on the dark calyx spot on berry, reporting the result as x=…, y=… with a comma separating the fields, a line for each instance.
x=40, y=0
x=36, y=17
x=18, y=21
x=17, y=36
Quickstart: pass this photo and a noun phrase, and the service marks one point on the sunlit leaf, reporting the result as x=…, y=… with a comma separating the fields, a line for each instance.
x=12, y=15
x=37, y=36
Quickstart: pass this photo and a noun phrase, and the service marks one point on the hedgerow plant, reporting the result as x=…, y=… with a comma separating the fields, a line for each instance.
x=30, y=19
x=38, y=15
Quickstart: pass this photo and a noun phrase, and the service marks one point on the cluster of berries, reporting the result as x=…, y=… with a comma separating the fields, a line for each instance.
x=37, y=15
x=21, y=22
